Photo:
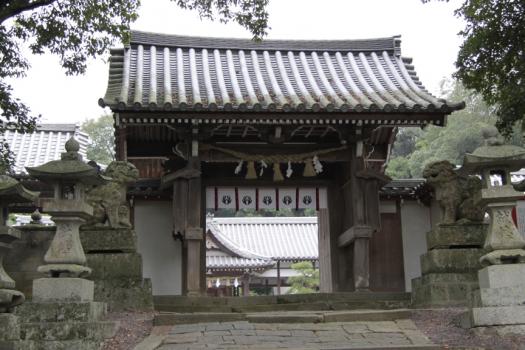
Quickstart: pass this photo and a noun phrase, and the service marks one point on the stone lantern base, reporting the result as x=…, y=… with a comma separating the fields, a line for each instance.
x=10, y=334
x=63, y=315
x=500, y=300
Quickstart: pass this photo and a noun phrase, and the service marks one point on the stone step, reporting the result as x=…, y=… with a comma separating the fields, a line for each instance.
x=65, y=331
x=57, y=312
x=282, y=299
x=304, y=306
x=172, y=318
x=367, y=315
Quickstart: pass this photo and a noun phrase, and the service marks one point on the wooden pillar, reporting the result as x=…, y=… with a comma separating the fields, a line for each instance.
x=326, y=281
x=187, y=220
x=361, y=193
x=278, y=277
x=246, y=285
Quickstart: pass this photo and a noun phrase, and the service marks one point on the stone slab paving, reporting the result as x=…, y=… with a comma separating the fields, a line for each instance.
x=332, y=335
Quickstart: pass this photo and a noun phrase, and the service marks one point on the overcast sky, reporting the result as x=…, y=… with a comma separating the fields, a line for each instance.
x=428, y=33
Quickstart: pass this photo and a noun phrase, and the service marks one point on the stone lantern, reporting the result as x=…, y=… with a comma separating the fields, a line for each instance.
x=504, y=242
x=65, y=260
x=501, y=299
x=11, y=191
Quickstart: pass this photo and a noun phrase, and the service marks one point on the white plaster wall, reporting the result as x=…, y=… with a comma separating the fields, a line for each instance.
x=161, y=254
x=415, y=222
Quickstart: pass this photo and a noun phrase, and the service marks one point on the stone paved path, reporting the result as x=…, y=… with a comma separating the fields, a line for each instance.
x=334, y=335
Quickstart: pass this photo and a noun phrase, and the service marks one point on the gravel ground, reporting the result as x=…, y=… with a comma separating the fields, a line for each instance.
x=442, y=326
x=134, y=327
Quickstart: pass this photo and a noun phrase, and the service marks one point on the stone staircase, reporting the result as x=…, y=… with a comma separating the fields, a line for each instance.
x=300, y=308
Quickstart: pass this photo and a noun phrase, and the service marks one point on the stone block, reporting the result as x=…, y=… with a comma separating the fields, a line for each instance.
x=118, y=265
x=60, y=312
x=447, y=236
x=504, y=296
x=62, y=289
x=497, y=276
x=58, y=345
x=433, y=278
x=108, y=239
x=9, y=327
x=60, y=331
x=125, y=294
x=451, y=261
x=443, y=289
x=497, y=315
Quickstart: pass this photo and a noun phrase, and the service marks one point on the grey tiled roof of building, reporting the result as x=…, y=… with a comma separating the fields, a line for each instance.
x=278, y=238
x=229, y=255
x=169, y=72
x=44, y=145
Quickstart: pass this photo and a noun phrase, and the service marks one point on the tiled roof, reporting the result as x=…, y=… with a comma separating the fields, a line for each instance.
x=279, y=238
x=170, y=72
x=228, y=263
x=230, y=256
x=44, y=145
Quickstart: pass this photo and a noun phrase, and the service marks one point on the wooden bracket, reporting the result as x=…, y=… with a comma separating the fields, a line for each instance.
x=353, y=233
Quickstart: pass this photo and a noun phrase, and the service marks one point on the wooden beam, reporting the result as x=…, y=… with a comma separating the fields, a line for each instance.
x=326, y=283
x=349, y=236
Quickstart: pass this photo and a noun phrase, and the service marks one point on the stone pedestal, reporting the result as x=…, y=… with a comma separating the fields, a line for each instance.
x=9, y=332
x=500, y=300
x=64, y=325
x=117, y=268
x=450, y=265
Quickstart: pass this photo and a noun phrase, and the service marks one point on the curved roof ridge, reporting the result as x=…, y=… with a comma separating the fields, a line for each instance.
x=231, y=246
x=391, y=43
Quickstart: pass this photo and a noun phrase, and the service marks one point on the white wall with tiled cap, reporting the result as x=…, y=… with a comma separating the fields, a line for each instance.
x=161, y=254
x=415, y=223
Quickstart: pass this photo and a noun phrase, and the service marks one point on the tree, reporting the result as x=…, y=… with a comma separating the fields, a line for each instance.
x=102, y=134
x=491, y=59
x=307, y=280
x=461, y=135
x=76, y=30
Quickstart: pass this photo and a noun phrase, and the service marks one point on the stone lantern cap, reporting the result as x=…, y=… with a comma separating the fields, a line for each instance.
x=69, y=168
x=508, y=156
x=12, y=191
x=493, y=155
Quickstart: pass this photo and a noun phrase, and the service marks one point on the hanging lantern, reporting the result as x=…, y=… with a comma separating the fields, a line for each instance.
x=228, y=282
x=250, y=173
x=210, y=284
x=236, y=283
x=277, y=174
x=309, y=170
x=217, y=283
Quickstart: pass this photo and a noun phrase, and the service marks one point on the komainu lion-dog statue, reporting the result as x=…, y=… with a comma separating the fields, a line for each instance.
x=109, y=200
x=458, y=196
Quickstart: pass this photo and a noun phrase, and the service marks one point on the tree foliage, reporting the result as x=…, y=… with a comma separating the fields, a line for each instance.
x=307, y=280
x=102, y=134
x=76, y=30
x=491, y=59
x=414, y=148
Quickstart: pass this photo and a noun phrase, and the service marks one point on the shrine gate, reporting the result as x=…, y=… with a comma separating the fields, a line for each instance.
x=232, y=123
